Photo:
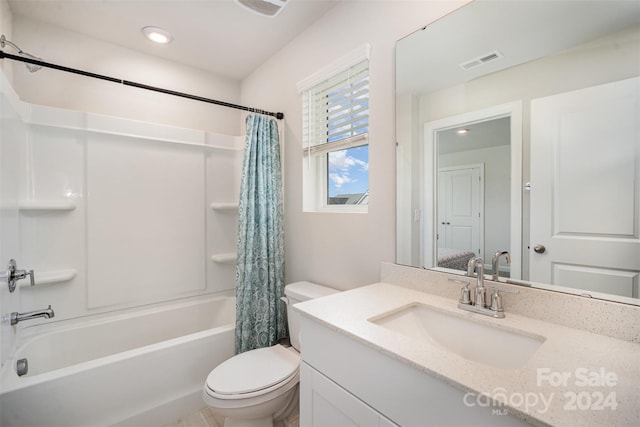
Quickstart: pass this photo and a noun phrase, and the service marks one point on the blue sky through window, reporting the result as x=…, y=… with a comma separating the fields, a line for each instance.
x=348, y=171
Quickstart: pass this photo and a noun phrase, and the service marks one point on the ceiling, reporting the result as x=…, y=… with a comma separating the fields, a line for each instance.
x=521, y=31
x=215, y=35
x=480, y=135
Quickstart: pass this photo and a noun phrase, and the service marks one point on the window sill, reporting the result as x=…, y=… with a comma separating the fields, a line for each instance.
x=352, y=209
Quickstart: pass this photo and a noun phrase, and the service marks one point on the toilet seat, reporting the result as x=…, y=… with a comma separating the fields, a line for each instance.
x=254, y=373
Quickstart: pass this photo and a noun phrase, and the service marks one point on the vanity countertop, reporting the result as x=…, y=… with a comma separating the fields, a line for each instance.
x=574, y=378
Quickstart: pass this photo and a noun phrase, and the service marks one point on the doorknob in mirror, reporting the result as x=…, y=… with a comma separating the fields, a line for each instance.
x=539, y=249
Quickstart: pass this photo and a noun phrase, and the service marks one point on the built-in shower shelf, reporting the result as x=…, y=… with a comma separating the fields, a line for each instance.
x=224, y=258
x=47, y=277
x=225, y=207
x=50, y=205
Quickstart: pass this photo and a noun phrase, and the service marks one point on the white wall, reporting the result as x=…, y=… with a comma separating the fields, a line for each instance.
x=342, y=250
x=59, y=89
x=6, y=24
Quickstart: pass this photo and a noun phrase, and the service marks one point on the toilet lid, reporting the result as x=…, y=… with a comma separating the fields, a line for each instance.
x=254, y=370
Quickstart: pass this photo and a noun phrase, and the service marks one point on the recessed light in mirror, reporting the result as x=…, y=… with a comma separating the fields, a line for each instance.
x=462, y=131
x=157, y=35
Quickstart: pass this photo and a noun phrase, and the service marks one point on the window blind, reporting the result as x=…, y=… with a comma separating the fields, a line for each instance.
x=336, y=111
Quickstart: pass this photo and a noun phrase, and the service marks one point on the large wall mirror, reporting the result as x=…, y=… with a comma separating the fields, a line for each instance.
x=518, y=138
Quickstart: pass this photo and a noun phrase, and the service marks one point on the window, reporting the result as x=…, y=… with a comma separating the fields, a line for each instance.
x=336, y=127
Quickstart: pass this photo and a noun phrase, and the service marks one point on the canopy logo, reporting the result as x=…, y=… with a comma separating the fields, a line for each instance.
x=579, y=390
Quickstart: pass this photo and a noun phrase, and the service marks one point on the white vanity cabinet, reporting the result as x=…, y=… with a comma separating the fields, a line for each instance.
x=345, y=382
x=324, y=403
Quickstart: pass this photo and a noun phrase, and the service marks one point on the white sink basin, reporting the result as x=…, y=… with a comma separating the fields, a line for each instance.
x=477, y=341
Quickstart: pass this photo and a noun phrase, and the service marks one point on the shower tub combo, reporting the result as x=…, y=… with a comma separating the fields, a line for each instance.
x=143, y=365
x=142, y=368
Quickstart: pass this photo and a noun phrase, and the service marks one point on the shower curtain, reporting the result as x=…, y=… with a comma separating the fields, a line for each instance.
x=260, y=314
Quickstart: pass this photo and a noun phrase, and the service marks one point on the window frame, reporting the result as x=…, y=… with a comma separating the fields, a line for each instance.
x=315, y=158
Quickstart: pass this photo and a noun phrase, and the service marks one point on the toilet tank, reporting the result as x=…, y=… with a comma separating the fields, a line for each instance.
x=298, y=292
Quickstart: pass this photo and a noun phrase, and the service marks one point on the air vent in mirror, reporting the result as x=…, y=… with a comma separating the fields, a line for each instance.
x=484, y=59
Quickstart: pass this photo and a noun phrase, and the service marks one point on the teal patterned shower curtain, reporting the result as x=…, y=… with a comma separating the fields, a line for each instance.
x=260, y=314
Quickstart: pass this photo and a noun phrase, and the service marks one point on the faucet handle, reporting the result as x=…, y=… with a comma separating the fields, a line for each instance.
x=21, y=274
x=465, y=295
x=12, y=275
x=496, y=298
x=496, y=301
x=465, y=292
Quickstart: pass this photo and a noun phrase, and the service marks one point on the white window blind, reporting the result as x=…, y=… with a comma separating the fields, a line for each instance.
x=335, y=104
x=336, y=111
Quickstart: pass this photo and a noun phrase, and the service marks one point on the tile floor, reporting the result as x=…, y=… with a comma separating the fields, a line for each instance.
x=202, y=418
x=206, y=418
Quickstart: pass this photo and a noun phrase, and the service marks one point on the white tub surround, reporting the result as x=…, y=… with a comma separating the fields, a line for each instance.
x=108, y=191
x=113, y=215
x=141, y=368
x=101, y=198
x=595, y=370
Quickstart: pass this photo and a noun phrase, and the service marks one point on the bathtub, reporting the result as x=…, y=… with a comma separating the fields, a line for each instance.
x=138, y=369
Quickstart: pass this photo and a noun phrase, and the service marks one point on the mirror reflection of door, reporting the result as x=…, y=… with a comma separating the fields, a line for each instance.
x=585, y=189
x=460, y=195
x=474, y=184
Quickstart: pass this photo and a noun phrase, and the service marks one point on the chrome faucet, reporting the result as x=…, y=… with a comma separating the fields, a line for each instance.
x=477, y=264
x=19, y=317
x=494, y=309
x=479, y=305
x=495, y=263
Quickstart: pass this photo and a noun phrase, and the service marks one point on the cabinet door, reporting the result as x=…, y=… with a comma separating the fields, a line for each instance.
x=323, y=403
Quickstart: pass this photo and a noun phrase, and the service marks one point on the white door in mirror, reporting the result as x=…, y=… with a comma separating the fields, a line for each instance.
x=459, y=208
x=585, y=189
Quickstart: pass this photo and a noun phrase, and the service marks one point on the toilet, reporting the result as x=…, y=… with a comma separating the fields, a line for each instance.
x=259, y=388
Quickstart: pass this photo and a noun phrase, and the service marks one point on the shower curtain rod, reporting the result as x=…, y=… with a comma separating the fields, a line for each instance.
x=138, y=85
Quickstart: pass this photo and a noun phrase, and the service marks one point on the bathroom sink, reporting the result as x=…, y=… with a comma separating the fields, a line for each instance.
x=477, y=341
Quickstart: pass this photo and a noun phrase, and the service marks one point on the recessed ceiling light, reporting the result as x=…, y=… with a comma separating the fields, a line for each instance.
x=157, y=35
x=462, y=131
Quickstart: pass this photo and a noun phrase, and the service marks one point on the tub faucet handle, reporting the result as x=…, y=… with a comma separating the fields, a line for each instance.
x=12, y=275
x=21, y=274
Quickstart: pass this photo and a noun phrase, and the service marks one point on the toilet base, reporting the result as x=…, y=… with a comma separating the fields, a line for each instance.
x=286, y=407
x=288, y=417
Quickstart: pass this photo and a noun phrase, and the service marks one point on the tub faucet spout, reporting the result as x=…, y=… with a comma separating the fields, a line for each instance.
x=19, y=317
